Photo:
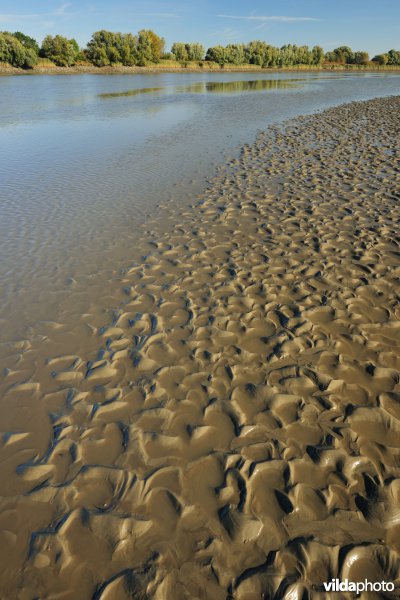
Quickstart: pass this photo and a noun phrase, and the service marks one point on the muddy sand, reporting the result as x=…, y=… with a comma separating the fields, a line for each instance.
x=236, y=433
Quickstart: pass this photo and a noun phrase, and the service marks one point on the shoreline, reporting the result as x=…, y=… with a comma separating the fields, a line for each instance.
x=241, y=409
x=120, y=70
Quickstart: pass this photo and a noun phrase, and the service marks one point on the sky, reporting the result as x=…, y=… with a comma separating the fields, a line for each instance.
x=370, y=25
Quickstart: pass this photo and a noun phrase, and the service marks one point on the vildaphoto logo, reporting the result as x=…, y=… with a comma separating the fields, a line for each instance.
x=335, y=585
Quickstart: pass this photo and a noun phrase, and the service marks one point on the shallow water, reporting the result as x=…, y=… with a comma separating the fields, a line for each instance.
x=84, y=159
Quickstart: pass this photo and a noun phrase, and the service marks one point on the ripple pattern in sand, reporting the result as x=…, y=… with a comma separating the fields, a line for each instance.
x=237, y=435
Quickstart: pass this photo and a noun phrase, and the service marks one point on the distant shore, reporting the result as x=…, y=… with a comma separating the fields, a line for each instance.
x=193, y=67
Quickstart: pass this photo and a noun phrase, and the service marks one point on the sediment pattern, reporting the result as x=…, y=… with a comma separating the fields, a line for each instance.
x=238, y=434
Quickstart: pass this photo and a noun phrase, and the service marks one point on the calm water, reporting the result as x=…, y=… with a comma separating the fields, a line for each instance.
x=84, y=159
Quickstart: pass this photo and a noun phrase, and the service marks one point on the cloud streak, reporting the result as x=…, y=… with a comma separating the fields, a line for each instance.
x=161, y=15
x=227, y=33
x=265, y=18
x=10, y=17
x=61, y=11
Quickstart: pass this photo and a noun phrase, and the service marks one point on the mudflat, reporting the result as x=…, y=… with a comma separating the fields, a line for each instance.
x=236, y=434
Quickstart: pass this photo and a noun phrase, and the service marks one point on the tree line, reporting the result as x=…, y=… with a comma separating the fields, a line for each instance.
x=107, y=48
x=264, y=55
x=104, y=48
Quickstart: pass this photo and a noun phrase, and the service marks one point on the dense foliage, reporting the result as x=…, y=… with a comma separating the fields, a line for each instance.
x=15, y=53
x=107, y=48
x=390, y=58
x=27, y=42
x=60, y=50
x=345, y=56
x=264, y=55
x=188, y=51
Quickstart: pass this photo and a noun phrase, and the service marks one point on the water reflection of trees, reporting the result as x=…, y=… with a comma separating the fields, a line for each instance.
x=252, y=85
x=130, y=92
x=203, y=87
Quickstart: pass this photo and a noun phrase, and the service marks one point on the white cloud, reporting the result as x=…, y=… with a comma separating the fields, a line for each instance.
x=281, y=19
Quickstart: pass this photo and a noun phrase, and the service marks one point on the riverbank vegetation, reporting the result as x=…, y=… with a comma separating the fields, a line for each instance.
x=146, y=48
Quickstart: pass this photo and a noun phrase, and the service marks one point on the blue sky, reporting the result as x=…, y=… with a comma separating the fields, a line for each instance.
x=370, y=25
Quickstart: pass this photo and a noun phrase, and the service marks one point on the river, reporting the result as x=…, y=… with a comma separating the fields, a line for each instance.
x=86, y=159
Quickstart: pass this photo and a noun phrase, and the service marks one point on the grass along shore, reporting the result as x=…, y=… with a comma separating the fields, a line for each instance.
x=47, y=67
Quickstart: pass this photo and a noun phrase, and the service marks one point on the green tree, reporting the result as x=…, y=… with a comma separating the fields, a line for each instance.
x=236, y=54
x=317, y=55
x=128, y=49
x=98, y=56
x=60, y=50
x=303, y=56
x=381, y=59
x=361, y=58
x=286, y=55
x=98, y=47
x=274, y=59
x=104, y=48
x=13, y=52
x=344, y=55
x=144, y=48
x=217, y=54
x=187, y=51
x=27, y=42
x=108, y=48
x=195, y=51
x=179, y=50
x=393, y=57
x=258, y=53
x=148, y=39
x=75, y=45
x=330, y=57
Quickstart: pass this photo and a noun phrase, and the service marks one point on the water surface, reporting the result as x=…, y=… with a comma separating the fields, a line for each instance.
x=85, y=159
